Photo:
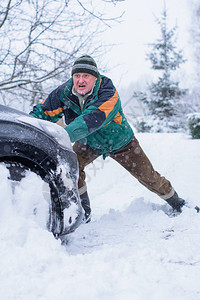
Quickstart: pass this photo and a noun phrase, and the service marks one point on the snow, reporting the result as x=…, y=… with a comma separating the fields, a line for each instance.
x=52, y=129
x=131, y=250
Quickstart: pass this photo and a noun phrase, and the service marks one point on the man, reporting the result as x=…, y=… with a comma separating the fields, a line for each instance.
x=95, y=121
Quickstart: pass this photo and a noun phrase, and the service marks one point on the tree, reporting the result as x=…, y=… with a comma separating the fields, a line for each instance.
x=39, y=40
x=164, y=58
x=195, y=35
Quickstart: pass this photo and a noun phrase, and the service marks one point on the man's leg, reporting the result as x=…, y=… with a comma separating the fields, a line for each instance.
x=85, y=156
x=133, y=159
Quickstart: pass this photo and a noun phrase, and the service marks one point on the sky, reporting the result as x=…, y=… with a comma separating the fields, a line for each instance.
x=137, y=30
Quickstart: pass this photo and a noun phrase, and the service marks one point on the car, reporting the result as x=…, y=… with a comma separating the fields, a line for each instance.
x=27, y=143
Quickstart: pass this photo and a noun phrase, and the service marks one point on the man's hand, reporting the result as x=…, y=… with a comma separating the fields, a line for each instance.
x=61, y=123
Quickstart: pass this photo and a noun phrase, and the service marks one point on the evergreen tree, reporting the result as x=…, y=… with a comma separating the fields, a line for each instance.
x=164, y=58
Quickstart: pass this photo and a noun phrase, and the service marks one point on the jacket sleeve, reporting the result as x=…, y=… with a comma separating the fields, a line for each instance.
x=50, y=109
x=98, y=114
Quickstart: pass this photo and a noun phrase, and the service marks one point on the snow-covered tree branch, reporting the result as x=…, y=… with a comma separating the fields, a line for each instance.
x=39, y=40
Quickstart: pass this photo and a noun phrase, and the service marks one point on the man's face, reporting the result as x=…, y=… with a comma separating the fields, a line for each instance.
x=83, y=82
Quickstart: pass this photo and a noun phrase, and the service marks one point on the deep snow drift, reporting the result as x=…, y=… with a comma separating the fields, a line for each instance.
x=130, y=250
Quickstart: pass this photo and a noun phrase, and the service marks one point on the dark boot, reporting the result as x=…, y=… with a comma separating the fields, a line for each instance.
x=176, y=203
x=85, y=202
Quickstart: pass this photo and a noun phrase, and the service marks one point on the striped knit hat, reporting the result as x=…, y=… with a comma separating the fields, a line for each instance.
x=85, y=64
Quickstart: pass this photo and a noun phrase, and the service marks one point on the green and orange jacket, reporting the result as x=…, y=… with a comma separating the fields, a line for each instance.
x=101, y=124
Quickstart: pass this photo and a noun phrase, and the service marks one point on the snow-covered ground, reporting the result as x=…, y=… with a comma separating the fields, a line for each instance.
x=130, y=251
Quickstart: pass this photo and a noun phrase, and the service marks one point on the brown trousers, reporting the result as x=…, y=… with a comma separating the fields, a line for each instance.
x=134, y=160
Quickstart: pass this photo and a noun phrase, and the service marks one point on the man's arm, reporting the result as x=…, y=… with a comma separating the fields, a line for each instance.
x=50, y=109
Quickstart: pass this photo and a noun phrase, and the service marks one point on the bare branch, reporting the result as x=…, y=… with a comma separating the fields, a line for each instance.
x=39, y=40
x=6, y=13
x=100, y=18
x=113, y=1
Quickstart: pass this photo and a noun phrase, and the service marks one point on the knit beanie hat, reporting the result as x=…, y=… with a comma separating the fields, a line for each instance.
x=85, y=64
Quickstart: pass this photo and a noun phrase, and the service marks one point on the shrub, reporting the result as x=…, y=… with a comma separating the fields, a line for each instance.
x=194, y=125
x=152, y=124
